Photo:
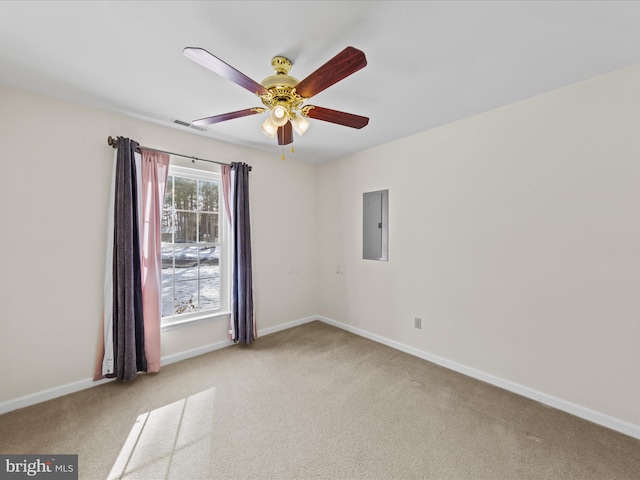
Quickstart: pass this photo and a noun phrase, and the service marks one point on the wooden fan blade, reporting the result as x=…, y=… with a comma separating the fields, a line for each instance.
x=348, y=61
x=285, y=134
x=334, y=116
x=203, y=122
x=213, y=63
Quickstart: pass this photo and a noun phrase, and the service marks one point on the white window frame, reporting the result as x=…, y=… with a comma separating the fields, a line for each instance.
x=225, y=244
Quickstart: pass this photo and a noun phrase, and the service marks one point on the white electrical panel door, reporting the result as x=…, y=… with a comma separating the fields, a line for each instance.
x=375, y=207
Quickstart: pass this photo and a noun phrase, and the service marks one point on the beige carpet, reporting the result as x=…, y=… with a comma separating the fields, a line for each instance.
x=315, y=402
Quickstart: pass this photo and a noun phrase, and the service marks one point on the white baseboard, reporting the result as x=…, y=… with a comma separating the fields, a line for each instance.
x=602, y=419
x=79, y=385
x=177, y=357
x=73, y=387
x=49, y=394
x=285, y=326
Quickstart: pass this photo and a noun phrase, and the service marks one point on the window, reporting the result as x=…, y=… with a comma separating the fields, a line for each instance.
x=193, y=246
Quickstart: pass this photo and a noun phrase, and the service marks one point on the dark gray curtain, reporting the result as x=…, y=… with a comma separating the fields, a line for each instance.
x=128, y=321
x=242, y=293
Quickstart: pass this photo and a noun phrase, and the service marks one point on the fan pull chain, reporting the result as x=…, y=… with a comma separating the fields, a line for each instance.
x=292, y=151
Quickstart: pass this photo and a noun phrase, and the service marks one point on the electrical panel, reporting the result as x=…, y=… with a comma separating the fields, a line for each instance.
x=375, y=225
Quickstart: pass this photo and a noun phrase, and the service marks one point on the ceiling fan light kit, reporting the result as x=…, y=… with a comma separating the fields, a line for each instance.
x=284, y=96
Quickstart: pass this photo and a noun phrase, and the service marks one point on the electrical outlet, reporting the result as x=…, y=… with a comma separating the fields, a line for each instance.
x=417, y=322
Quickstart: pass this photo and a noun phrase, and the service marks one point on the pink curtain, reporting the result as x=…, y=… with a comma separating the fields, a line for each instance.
x=155, y=169
x=226, y=187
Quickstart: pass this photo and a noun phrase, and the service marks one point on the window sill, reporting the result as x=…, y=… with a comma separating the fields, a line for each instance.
x=195, y=319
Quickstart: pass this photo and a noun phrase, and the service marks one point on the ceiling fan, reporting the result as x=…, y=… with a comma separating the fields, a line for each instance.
x=283, y=96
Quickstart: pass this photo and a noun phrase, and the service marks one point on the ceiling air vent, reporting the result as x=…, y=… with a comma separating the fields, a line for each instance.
x=187, y=124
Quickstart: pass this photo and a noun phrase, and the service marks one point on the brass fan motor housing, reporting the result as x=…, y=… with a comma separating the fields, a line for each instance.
x=281, y=86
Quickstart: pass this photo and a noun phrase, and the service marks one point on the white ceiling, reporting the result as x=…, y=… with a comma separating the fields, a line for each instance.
x=429, y=63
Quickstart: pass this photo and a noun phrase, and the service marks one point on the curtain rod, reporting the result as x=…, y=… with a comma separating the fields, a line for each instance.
x=113, y=142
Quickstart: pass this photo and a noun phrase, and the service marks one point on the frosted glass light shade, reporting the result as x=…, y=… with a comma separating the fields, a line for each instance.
x=300, y=124
x=279, y=115
x=269, y=128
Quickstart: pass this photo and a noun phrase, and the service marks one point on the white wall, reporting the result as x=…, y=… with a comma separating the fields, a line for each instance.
x=56, y=170
x=514, y=235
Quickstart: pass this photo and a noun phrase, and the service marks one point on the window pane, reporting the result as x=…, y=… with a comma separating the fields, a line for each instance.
x=167, y=299
x=208, y=196
x=209, y=227
x=186, y=194
x=186, y=263
x=167, y=222
x=167, y=261
x=168, y=193
x=167, y=281
x=167, y=226
x=209, y=293
x=186, y=298
x=185, y=227
x=209, y=262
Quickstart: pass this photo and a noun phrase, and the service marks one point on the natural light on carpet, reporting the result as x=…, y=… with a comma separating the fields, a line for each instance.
x=172, y=441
